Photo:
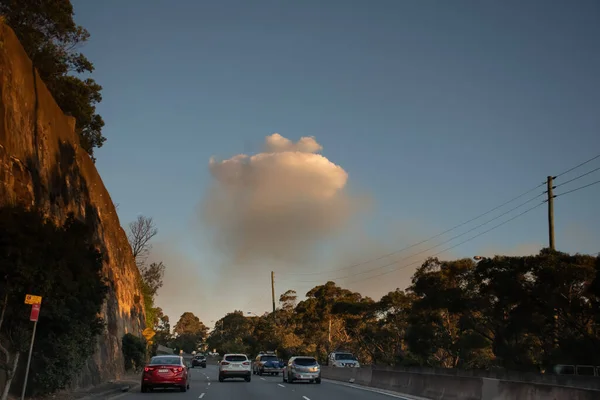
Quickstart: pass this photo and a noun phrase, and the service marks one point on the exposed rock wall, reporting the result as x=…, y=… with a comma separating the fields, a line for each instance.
x=42, y=165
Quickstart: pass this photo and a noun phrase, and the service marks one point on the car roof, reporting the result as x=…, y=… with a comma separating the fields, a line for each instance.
x=303, y=357
x=235, y=354
x=166, y=355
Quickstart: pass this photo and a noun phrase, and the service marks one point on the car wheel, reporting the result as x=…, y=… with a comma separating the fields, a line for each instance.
x=248, y=378
x=283, y=377
x=183, y=389
x=144, y=389
x=221, y=379
x=318, y=381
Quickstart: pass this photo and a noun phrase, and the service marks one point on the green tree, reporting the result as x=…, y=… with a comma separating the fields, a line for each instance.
x=61, y=264
x=189, y=331
x=190, y=324
x=134, y=351
x=50, y=37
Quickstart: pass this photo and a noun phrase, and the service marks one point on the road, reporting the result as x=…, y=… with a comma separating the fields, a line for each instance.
x=205, y=385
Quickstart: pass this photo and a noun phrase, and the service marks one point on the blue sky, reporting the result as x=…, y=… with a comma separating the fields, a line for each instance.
x=437, y=110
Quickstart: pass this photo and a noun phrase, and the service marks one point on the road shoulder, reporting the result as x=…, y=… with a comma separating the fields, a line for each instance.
x=390, y=393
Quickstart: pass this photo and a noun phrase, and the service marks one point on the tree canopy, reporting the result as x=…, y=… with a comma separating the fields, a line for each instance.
x=520, y=313
x=51, y=39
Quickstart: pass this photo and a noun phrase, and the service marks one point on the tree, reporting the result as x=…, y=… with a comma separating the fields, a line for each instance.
x=61, y=264
x=141, y=231
x=134, y=351
x=190, y=324
x=50, y=37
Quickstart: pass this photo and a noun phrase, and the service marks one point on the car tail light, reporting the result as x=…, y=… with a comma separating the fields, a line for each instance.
x=178, y=369
x=246, y=363
x=224, y=363
x=148, y=369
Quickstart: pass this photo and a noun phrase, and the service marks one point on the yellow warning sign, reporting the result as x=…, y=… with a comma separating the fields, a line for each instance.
x=31, y=299
x=148, y=333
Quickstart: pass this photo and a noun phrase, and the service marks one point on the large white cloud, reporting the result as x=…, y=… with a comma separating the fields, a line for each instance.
x=277, y=204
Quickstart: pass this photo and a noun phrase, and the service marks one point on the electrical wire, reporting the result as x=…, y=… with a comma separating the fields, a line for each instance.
x=425, y=240
x=577, y=166
x=439, y=244
x=576, y=189
x=451, y=247
x=578, y=177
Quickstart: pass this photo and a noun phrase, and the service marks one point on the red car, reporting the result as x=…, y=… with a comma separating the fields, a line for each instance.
x=165, y=372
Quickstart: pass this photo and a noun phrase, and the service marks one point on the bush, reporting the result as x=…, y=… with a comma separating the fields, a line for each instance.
x=134, y=352
x=61, y=264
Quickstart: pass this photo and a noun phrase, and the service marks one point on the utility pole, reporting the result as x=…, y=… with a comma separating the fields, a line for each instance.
x=550, y=187
x=273, y=290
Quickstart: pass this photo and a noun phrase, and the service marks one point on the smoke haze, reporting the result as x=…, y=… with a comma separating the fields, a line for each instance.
x=276, y=205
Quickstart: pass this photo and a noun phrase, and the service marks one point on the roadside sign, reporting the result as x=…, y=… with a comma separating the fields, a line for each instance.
x=35, y=312
x=148, y=333
x=32, y=299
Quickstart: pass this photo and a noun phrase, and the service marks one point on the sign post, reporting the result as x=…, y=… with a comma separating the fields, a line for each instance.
x=36, y=304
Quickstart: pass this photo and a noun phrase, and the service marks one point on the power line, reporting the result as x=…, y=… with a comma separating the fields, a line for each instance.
x=578, y=177
x=577, y=166
x=439, y=244
x=451, y=247
x=425, y=240
x=579, y=188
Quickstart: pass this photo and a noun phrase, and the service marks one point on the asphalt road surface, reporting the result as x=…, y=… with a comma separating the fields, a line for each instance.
x=204, y=384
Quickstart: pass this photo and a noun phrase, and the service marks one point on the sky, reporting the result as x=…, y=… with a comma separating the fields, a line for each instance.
x=417, y=116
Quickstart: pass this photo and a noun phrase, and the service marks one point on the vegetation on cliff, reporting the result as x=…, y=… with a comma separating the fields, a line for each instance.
x=61, y=264
x=141, y=232
x=134, y=351
x=51, y=37
x=523, y=313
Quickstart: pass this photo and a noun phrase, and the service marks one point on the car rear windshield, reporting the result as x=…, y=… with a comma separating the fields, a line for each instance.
x=269, y=358
x=165, y=361
x=344, y=356
x=235, y=358
x=305, y=361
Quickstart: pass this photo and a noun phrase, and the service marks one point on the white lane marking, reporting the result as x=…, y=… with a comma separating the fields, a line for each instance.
x=305, y=398
x=208, y=383
x=201, y=396
x=263, y=379
x=280, y=385
x=385, y=393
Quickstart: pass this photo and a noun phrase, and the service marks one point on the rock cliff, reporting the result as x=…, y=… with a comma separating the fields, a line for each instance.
x=42, y=165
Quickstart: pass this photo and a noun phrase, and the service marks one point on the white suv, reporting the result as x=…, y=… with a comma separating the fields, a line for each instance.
x=235, y=366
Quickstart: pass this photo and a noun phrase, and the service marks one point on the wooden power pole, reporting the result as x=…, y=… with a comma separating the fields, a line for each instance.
x=273, y=290
x=550, y=187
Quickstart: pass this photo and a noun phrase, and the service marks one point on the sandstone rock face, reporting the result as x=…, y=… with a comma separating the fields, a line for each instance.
x=42, y=165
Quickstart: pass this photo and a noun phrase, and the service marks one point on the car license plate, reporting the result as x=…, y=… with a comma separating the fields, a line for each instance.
x=163, y=370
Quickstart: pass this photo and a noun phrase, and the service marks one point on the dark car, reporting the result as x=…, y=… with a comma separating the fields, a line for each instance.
x=165, y=372
x=266, y=363
x=199, y=361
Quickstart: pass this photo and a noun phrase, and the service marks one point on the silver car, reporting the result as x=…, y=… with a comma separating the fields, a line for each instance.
x=302, y=368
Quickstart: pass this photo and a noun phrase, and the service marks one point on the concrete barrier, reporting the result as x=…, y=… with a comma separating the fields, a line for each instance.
x=457, y=387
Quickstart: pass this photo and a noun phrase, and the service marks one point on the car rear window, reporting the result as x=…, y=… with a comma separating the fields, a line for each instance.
x=344, y=356
x=305, y=361
x=165, y=361
x=236, y=358
x=269, y=358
